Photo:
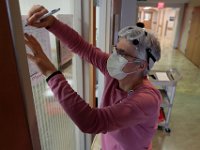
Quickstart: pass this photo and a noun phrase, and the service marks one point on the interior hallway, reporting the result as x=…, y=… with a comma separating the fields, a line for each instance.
x=185, y=118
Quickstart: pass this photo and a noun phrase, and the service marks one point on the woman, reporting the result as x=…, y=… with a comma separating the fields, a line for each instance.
x=130, y=105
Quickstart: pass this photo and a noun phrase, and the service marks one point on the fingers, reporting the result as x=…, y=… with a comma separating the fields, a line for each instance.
x=32, y=43
x=35, y=13
x=34, y=8
x=38, y=57
x=31, y=57
x=28, y=37
x=44, y=23
x=31, y=38
x=31, y=47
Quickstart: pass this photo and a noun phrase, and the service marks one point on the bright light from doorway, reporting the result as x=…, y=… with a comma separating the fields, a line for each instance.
x=147, y=8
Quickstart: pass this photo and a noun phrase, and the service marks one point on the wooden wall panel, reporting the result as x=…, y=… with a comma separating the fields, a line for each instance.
x=193, y=47
x=14, y=128
x=196, y=51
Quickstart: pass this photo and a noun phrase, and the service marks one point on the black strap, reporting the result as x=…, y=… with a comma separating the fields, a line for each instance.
x=149, y=55
x=53, y=74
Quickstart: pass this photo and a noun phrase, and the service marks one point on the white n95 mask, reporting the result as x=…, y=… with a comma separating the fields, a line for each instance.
x=115, y=65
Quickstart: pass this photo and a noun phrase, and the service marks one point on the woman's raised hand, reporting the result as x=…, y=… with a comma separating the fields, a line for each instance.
x=38, y=56
x=35, y=13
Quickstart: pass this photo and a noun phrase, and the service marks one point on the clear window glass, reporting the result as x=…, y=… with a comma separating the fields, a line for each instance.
x=56, y=130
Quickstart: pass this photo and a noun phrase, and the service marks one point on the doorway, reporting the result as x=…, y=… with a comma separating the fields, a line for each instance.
x=161, y=22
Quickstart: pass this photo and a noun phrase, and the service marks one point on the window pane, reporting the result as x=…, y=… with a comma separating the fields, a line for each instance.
x=56, y=130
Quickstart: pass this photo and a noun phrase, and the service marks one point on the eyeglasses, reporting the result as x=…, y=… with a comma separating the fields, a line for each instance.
x=136, y=42
x=125, y=55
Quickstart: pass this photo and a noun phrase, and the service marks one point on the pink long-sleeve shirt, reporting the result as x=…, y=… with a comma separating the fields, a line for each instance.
x=127, y=120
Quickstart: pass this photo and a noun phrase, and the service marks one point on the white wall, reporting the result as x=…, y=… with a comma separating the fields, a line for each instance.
x=66, y=6
x=160, y=19
x=154, y=21
x=169, y=34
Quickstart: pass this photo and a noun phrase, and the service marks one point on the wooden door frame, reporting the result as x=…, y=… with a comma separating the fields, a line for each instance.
x=15, y=127
x=92, y=40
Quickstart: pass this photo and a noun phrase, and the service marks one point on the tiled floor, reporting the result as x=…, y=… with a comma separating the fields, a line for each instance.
x=185, y=116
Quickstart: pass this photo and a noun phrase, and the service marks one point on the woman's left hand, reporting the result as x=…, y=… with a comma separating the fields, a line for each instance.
x=38, y=56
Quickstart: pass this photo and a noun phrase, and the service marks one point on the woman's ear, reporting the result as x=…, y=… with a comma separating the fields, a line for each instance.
x=143, y=65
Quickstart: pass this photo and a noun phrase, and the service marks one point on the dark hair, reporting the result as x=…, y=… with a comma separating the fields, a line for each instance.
x=140, y=24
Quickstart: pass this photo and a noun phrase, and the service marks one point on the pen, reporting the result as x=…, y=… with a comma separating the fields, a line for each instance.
x=47, y=14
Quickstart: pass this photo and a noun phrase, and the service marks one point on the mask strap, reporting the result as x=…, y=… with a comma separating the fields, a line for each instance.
x=149, y=55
